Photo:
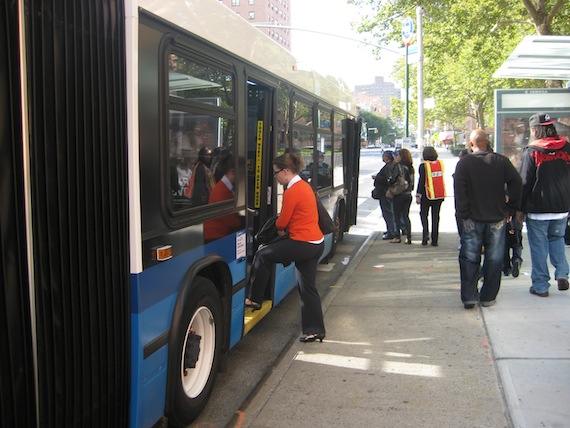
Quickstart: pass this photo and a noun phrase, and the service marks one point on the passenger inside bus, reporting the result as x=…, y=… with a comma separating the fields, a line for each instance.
x=222, y=191
x=201, y=181
x=323, y=169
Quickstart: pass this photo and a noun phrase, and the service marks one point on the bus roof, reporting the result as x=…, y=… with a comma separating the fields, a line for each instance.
x=538, y=57
x=214, y=22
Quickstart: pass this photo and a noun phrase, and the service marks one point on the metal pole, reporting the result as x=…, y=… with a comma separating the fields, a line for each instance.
x=407, y=129
x=420, y=42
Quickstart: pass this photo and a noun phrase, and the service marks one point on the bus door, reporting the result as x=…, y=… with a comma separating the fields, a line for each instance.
x=259, y=150
x=351, y=132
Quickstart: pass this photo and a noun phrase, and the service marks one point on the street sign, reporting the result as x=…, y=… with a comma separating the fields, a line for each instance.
x=407, y=29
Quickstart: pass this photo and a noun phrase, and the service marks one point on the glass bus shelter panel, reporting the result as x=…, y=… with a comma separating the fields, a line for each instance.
x=514, y=133
x=513, y=108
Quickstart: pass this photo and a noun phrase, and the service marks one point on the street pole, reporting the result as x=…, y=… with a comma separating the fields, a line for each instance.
x=406, y=119
x=420, y=42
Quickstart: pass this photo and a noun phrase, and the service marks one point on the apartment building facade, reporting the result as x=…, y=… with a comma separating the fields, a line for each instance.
x=270, y=12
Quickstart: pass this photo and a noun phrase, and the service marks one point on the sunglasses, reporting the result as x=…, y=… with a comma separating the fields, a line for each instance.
x=277, y=172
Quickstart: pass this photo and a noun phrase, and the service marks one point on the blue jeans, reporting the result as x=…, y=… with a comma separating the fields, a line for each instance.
x=387, y=207
x=546, y=238
x=476, y=235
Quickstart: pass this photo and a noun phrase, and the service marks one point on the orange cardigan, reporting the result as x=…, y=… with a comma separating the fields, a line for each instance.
x=299, y=214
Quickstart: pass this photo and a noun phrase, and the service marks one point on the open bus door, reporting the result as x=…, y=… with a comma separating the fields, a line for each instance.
x=258, y=161
x=259, y=174
x=351, y=131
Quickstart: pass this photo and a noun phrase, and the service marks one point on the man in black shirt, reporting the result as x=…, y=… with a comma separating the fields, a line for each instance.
x=482, y=207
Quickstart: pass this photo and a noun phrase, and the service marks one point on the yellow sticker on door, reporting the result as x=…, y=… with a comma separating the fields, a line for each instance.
x=258, y=158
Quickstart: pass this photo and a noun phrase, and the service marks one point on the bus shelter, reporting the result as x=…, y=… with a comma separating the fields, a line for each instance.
x=536, y=57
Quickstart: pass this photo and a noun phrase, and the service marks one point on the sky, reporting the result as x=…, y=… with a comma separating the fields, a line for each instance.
x=353, y=62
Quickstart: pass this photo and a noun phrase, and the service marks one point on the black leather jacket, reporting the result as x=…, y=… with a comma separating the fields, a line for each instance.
x=545, y=173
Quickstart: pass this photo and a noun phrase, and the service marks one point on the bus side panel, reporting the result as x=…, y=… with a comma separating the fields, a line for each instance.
x=237, y=317
x=285, y=281
x=154, y=293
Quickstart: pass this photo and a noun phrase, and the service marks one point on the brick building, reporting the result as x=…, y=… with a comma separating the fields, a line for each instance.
x=376, y=97
x=275, y=12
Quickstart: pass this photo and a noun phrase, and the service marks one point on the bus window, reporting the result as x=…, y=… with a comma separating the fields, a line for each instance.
x=199, y=83
x=282, y=119
x=322, y=156
x=303, y=136
x=338, y=161
x=197, y=143
x=282, y=136
x=200, y=135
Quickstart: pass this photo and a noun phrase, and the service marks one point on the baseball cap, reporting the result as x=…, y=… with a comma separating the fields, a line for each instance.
x=540, y=119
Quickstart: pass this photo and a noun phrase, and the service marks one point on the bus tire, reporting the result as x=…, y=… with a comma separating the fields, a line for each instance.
x=193, y=370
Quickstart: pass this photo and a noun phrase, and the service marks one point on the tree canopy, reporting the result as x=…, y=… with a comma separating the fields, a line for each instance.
x=386, y=128
x=465, y=41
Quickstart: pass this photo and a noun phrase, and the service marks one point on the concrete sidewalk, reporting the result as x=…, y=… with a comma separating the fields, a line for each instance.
x=401, y=351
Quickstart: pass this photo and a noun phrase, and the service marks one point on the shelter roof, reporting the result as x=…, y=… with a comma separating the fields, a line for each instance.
x=538, y=57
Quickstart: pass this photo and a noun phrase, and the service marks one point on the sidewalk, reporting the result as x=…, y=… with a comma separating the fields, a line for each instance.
x=401, y=351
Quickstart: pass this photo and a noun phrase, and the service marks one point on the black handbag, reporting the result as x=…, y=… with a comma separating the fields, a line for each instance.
x=268, y=232
x=376, y=193
x=326, y=223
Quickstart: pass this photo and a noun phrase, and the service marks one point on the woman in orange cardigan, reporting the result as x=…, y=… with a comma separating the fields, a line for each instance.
x=299, y=218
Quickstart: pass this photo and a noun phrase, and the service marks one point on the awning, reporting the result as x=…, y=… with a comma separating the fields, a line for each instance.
x=538, y=57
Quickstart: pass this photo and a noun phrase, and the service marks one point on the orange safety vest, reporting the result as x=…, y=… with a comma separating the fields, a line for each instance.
x=435, y=185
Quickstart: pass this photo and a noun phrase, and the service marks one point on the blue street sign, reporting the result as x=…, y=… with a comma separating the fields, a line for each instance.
x=407, y=28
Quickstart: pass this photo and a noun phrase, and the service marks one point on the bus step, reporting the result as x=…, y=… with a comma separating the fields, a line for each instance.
x=251, y=317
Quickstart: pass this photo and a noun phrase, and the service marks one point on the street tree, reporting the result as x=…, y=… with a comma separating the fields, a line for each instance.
x=387, y=130
x=465, y=41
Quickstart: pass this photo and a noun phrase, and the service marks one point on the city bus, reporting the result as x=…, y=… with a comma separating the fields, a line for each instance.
x=123, y=274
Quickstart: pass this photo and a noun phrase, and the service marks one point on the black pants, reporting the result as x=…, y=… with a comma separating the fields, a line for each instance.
x=402, y=204
x=306, y=256
x=425, y=205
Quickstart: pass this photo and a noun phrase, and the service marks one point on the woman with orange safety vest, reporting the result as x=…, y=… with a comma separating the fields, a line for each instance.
x=430, y=193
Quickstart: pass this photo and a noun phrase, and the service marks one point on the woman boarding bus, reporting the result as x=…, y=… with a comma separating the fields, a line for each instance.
x=302, y=243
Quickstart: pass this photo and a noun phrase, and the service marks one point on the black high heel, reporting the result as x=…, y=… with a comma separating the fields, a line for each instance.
x=312, y=337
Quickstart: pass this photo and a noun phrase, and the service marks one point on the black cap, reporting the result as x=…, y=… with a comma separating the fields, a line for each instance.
x=540, y=119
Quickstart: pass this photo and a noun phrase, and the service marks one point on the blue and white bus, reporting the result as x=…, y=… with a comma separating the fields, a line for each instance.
x=123, y=277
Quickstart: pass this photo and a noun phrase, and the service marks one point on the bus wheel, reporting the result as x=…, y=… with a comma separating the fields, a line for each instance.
x=197, y=353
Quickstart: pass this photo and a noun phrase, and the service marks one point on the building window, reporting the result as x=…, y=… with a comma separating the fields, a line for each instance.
x=251, y=1
x=252, y=15
x=235, y=2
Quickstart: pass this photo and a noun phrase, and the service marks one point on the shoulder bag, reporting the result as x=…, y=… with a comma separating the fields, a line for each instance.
x=326, y=223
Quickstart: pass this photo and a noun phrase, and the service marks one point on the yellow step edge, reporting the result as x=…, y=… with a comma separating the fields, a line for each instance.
x=251, y=318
